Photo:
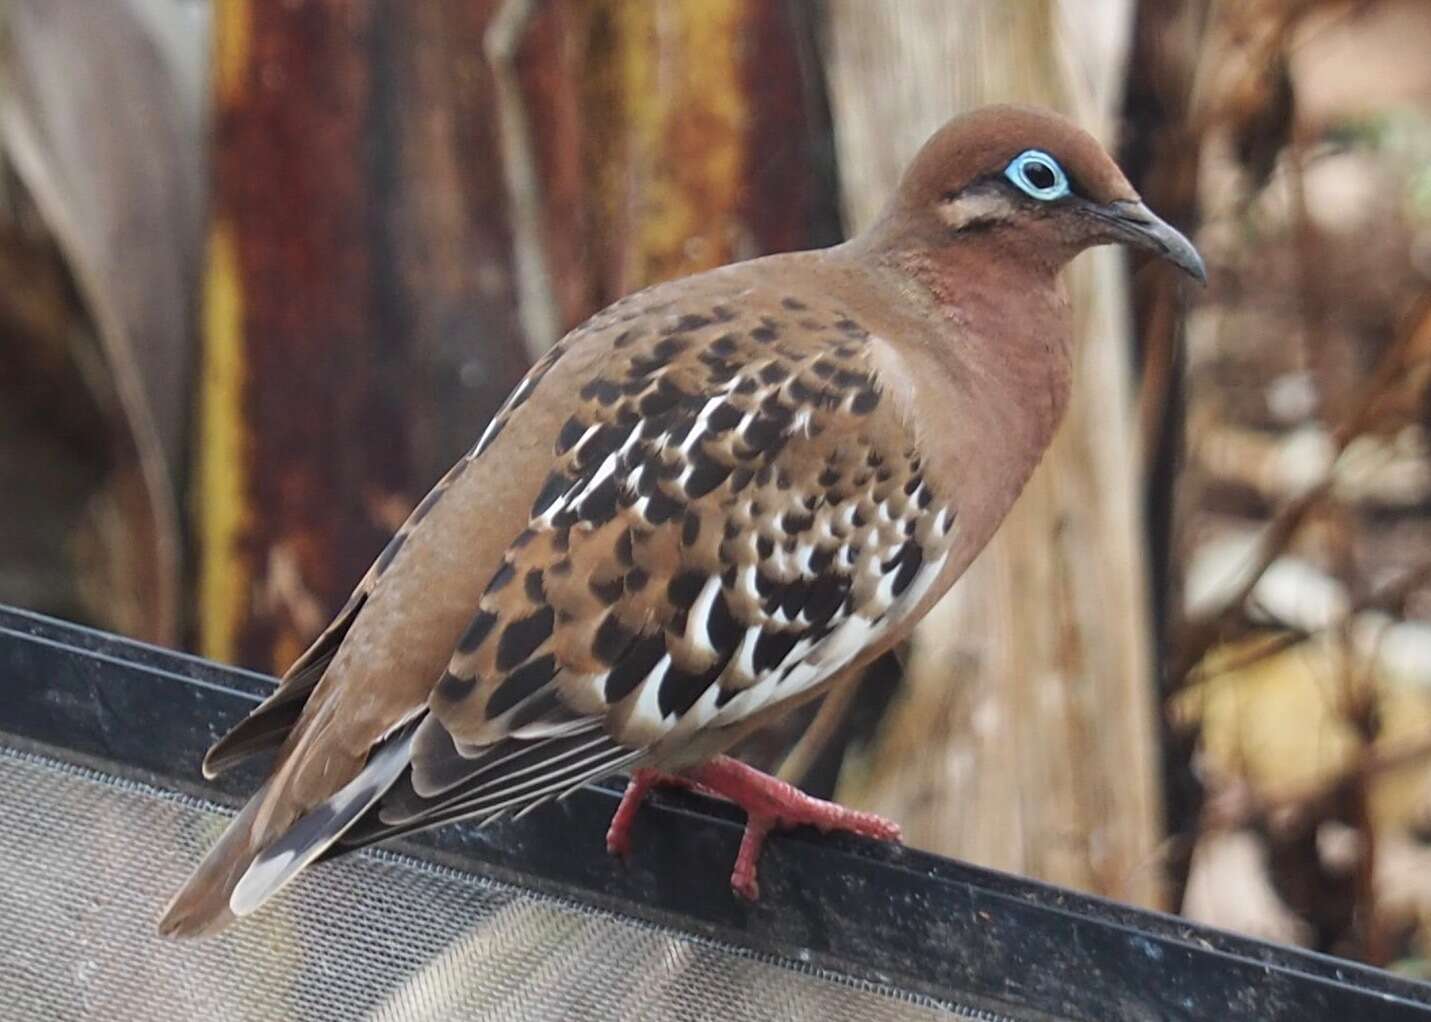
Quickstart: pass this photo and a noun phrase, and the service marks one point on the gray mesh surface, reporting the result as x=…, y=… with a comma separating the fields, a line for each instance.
x=87, y=862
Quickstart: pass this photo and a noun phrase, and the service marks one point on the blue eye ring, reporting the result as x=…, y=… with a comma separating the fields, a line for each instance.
x=1038, y=162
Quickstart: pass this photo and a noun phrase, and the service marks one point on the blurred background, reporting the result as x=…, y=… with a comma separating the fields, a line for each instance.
x=268, y=266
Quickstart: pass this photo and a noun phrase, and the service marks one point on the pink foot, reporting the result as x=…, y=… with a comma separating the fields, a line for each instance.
x=618, y=835
x=769, y=804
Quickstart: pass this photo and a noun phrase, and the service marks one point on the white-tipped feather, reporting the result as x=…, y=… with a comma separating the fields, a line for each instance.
x=317, y=829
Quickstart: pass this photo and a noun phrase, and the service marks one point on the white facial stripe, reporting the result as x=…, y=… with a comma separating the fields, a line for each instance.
x=969, y=207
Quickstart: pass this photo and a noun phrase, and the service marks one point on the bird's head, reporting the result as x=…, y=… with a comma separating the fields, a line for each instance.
x=1029, y=183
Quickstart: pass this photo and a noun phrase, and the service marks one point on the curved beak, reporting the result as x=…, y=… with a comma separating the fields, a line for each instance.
x=1135, y=224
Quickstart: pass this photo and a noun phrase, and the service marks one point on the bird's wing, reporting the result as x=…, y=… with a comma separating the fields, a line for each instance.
x=340, y=720
x=734, y=512
x=272, y=721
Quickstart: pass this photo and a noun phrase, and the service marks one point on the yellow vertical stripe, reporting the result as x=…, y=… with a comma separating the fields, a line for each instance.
x=681, y=78
x=224, y=574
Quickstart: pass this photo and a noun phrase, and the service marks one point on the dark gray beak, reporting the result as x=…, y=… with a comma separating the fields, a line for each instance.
x=1137, y=225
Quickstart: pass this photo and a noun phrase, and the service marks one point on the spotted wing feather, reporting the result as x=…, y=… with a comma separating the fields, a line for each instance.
x=732, y=517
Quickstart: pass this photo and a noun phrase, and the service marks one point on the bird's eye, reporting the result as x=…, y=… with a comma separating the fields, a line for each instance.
x=1038, y=174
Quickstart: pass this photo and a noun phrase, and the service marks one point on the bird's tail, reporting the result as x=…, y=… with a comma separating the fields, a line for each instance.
x=201, y=907
x=281, y=831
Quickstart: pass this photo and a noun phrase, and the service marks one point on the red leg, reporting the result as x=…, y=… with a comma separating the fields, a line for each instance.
x=772, y=804
x=618, y=835
x=769, y=804
x=744, y=879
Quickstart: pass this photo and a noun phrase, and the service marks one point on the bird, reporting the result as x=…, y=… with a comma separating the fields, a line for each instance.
x=702, y=507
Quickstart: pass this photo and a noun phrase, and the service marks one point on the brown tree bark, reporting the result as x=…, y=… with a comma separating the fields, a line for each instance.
x=359, y=313
x=1024, y=736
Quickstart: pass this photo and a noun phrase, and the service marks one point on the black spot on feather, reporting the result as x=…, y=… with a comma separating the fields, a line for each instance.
x=428, y=503
x=774, y=373
x=599, y=505
x=771, y=648
x=680, y=689
x=705, y=477
x=724, y=346
x=602, y=390
x=669, y=348
x=640, y=658
x=500, y=577
x=521, y=638
x=389, y=552
x=793, y=597
x=689, y=321
x=525, y=681
x=612, y=640
x=690, y=528
x=452, y=689
x=865, y=402
x=572, y=431
x=556, y=485
x=794, y=524
x=722, y=627
x=684, y=588
x=661, y=508
x=609, y=591
x=908, y=561
x=724, y=417
x=826, y=594
x=665, y=397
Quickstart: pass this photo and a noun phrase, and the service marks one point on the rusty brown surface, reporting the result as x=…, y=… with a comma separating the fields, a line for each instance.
x=672, y=143
x=791, y=197
x=447, y=275
x=375, y=321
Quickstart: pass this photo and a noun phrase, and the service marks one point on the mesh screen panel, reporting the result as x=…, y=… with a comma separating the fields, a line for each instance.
x=87, y=861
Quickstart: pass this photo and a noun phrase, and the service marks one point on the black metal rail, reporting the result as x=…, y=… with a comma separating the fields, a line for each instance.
x=889, y=915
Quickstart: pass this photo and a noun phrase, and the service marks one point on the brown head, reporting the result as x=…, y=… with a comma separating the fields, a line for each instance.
x=1027, y=183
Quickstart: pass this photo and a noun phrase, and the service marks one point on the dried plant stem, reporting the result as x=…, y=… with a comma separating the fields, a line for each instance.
x=831, y=714
x=1200, y=635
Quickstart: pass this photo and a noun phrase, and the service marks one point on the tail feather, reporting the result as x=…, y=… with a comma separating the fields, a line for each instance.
x=317, y=829
x=201, y=907
x=276, y=835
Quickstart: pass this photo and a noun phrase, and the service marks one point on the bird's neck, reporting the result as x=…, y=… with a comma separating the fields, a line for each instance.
x=1006, y=321
x=999, y=331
